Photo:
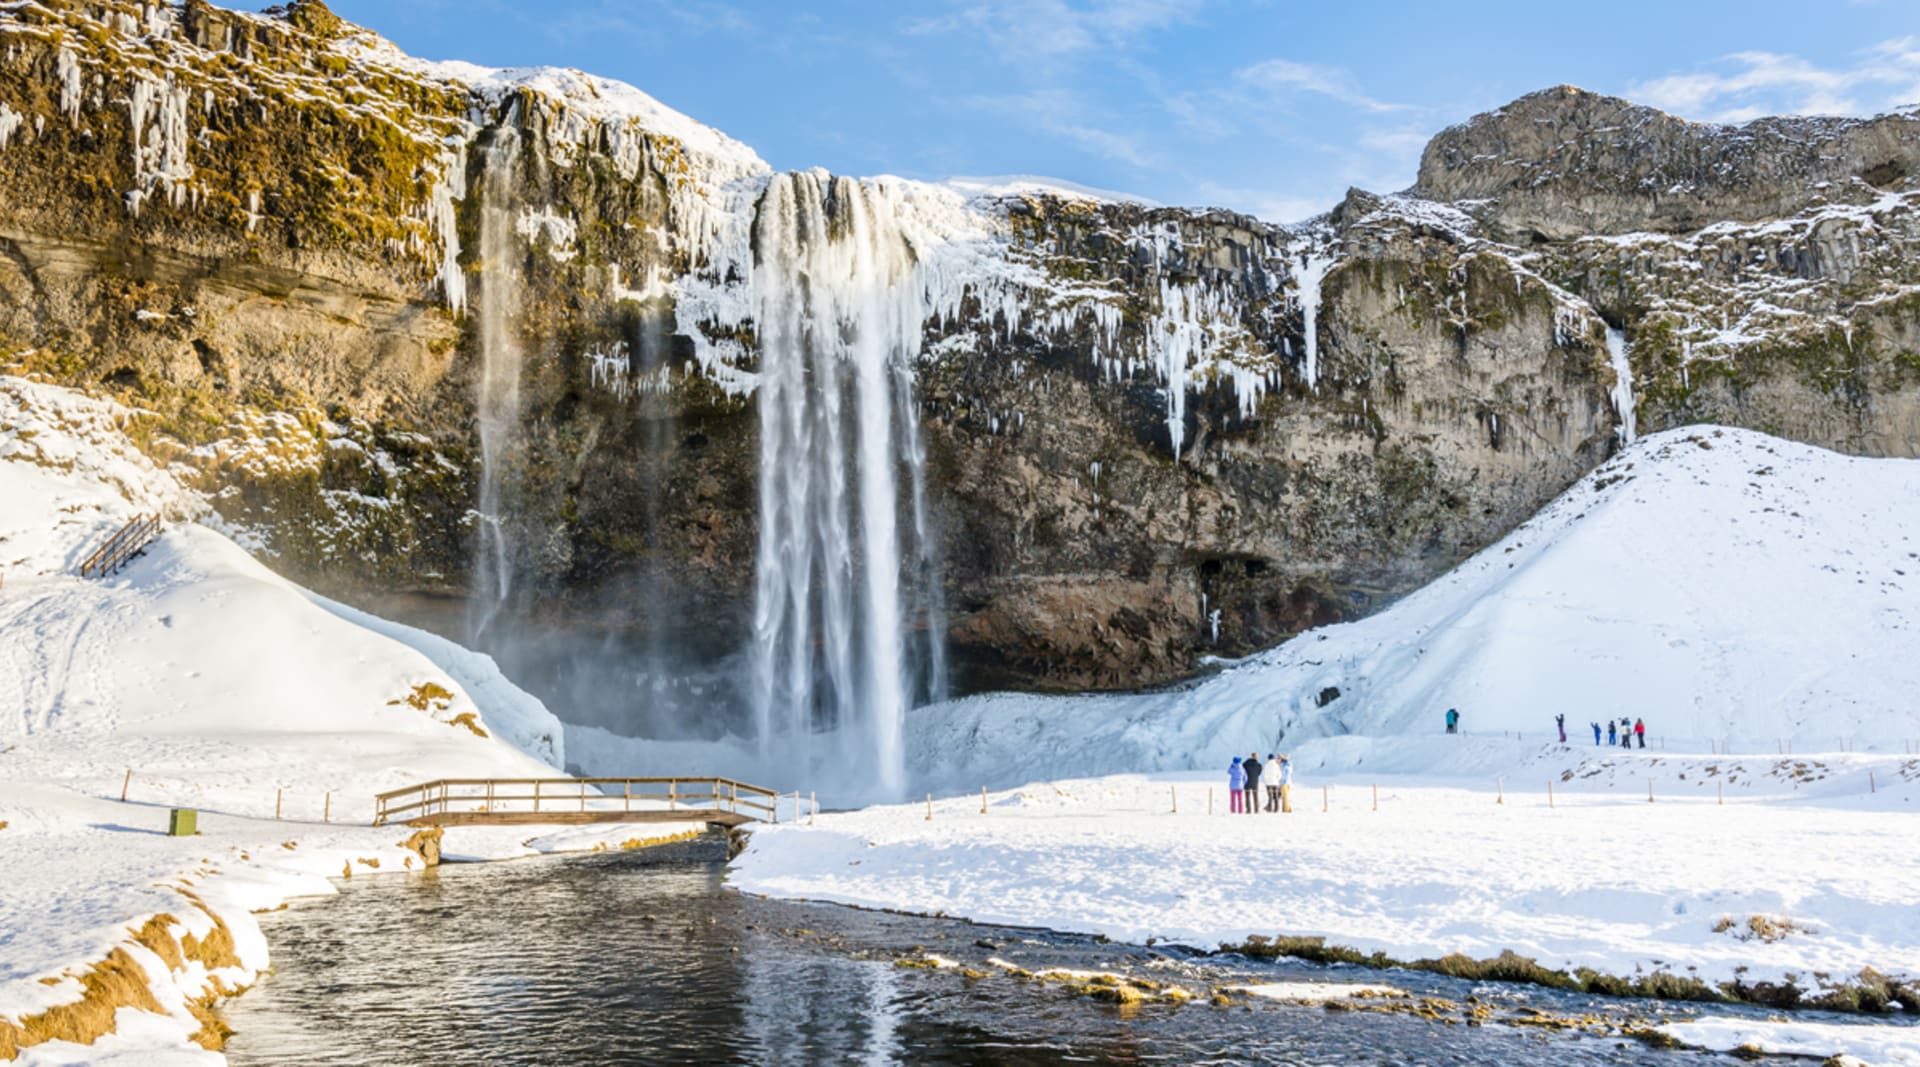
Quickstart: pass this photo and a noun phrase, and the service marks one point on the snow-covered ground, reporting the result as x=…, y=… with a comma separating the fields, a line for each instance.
x=1601, y=880
x=218, y=686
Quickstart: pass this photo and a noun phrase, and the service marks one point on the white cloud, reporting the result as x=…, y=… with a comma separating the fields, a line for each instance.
x=1061, y=113
x=1884, y=76
x=1026, y=28
x=1283, y=77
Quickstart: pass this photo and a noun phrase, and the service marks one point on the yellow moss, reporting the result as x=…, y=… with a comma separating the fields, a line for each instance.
x=427, y=696
x=469, y=720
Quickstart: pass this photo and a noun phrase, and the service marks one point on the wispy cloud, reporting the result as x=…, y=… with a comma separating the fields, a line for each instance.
x=1256, y=94
x=1751, y=84
x=1284, y=77
x=1065, y=114
x=1052, y=28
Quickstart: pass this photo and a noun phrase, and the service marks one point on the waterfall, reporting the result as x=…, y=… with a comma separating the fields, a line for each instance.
x=1622, y=383
x=498, y=394
x=839, y=312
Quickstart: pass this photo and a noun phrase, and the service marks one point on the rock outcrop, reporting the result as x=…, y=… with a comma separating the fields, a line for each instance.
x=1151, y=434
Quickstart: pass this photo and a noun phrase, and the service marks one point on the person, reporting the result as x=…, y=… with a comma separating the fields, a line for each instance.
x=1626, y=733
x=1271, y=776
x=1251, y=765
x=1286, y=784
x=1561, y=722
x=1613, y=737
x=1640, y=731
x=1236, y=782
x=1596, y=732
x=1453, y=720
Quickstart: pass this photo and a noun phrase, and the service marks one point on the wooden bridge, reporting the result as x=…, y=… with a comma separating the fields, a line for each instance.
x=528, y=801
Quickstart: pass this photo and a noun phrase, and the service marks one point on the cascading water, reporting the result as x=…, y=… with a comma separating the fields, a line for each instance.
x=498, y=399
x=839, y=312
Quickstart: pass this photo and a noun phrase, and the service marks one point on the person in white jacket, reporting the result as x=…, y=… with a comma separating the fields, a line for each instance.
x=1272, y=778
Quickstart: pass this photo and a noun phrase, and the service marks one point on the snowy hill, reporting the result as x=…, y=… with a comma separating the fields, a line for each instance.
x=1729, y=587
x=213, y=679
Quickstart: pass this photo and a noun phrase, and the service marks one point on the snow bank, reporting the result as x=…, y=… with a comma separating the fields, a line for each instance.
x=1599, y=879
x=1738, y=591
x=1868, y=1046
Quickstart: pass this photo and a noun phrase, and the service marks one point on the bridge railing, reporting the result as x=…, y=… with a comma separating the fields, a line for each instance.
x=574, y=796
x=121, y=547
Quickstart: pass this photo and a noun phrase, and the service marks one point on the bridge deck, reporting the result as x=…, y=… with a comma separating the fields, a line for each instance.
x=535, y=801
x=711, y=816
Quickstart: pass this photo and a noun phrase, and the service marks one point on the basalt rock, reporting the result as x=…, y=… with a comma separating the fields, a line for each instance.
x=1152, y=434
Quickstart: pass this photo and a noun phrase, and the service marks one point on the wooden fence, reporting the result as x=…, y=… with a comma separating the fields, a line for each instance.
x=121, y=547
x=523, y=801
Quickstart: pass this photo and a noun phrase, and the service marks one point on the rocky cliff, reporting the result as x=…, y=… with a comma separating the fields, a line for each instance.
x=1150, y=434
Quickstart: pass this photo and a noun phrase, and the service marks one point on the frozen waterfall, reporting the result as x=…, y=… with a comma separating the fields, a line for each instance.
x=841, y=578
x=1622, y=383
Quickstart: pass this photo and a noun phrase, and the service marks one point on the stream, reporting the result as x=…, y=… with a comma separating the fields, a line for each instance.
x=646, y=957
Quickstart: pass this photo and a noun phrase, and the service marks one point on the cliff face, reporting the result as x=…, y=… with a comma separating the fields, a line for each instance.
x=1150, y=434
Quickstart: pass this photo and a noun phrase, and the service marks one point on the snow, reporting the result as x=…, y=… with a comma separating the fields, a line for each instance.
x=1313, y=992
x=196, y=677
x=1741, y=593
x=1878, y=1046
x=1597, y=880
x=1016, y=185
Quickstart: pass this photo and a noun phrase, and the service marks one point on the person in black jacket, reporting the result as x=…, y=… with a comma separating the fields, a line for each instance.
x=1252, y=765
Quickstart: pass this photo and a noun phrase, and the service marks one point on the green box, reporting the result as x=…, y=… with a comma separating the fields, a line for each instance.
x=183, y=822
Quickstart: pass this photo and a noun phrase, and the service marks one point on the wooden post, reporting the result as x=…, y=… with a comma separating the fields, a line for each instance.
x=813, y=807
x=1549, y=793
x=536, y=796
x=1325, y=803
x=983, y=800
x=1649, y=790
x=124, y=782
x=626, y=794
x=671, y=782
x=1720, y=790
x=1872, y=786
x=583, y=796
x=1499, y=792
x=489, y=798
x=929, y=807
x=276, y=804
x=1376, y=796
x=326, y=813
x=1173, y=797
x=1209, y=800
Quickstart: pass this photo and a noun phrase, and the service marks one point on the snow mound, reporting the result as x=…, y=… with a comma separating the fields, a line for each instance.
x=1733, y=589
x=216, y=681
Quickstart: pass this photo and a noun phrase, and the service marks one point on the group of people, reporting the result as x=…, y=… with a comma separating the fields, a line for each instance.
x=1244, y=778
x=1621, y=733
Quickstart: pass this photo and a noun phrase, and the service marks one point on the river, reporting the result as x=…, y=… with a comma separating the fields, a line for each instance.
x=646, y=957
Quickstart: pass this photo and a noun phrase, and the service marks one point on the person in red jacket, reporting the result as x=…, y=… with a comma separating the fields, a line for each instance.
x=1640, y=731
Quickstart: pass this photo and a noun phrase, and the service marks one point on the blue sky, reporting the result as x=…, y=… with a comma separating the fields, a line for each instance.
x=1273, y=108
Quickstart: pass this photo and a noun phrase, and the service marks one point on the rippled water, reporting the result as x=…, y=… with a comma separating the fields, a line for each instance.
x=645, y=957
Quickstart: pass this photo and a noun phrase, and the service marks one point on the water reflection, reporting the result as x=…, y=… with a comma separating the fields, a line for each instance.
x=645, y=957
